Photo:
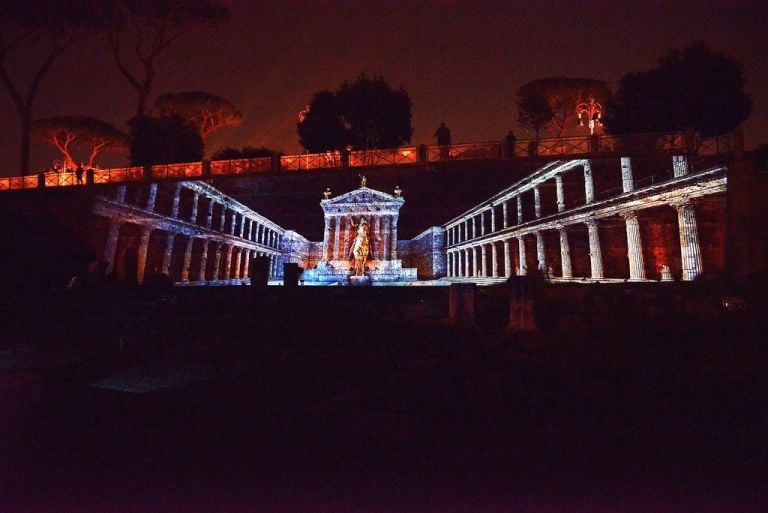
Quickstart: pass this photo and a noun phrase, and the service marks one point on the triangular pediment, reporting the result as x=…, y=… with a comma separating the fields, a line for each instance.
x=363, y=197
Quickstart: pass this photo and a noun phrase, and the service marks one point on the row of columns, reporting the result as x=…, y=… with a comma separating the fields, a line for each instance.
x=467, y=229
x=462, y=262
x=339, y=234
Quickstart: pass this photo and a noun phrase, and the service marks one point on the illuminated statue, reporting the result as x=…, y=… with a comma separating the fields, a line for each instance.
x=363, y=180
x=361, y=246
x=592, y=110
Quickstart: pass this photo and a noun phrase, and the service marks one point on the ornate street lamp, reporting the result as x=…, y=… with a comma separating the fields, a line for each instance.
x=592, y=110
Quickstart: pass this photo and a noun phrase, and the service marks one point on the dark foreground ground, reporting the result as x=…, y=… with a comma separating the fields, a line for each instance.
x=341, y=400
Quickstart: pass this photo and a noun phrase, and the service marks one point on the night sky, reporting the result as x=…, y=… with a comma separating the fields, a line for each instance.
x=461, y=62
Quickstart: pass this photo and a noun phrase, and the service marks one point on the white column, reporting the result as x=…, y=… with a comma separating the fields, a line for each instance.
x=690, y=250
x=634, y=247
x=209, y=219
x=195, y=204
x=537, y=201
x=475, y=258
x=167, y=254
x=483, y=261
x=504, y=213
x=242, y=225
x=679, y=165
x=394, y=236
x=336, y=235
x=507, y=259
x=565, y=254
x=345, y=235
x=560, y=193
x=152, y=197
x=474, y=226
x=595, y=253
x=111, y=246
x=233, y=223
x=223, y=218
x=627, y=181
x=541, y=256
x=522, y=269
x=589, y=185
x=146, y=231
x=482, y=222
x=176, y=199
x=326, y=237
x=493, y=219
x=386, y=226
x=519, y=209
x=203, y=261
x=494, y=261
x=187, y=259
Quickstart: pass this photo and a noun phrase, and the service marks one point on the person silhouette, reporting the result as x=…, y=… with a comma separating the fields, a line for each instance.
x=443, y=136
x=79, y=174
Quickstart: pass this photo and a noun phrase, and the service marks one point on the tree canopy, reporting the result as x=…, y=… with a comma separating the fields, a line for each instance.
x=163, y=140
x=364, y=114
x=71, y=133
x=550, y=103
x=48, y=28
x=205, y=110
x=140, y=30
x=691, y=88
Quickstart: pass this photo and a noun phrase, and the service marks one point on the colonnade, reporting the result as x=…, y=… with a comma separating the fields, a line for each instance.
x=469, y=242
x=221, y=238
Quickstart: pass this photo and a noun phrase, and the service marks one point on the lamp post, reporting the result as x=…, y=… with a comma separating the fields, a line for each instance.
x=593, y=111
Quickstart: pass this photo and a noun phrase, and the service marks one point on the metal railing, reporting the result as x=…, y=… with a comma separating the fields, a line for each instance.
x=491, y=150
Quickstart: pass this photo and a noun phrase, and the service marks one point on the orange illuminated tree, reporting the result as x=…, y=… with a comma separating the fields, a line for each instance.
x=208, y=112
x=80, y=133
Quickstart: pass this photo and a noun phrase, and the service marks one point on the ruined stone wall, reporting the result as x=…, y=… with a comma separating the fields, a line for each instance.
x=425, y=252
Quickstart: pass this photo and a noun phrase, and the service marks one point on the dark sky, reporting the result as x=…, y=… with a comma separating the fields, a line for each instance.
x=461, y=62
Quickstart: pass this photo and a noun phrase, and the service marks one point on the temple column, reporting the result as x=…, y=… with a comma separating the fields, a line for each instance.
x=493, y=219
x=166, y=265
x=326, y=237
x=565, y=254
x=203, y=261
x=474, y=226
x=242, y=225
x=634, y=247
x=507, y=259
x=523, y=267
x=463, y=268
x=336, y=235
x=141, y=261
x=494, y=261
x=187, y=259
x=483, y=261
x=475, y=258
x=238, y=256
x=541, y=255
x=690, y=250
x=176, y=199
x=482, y=222
x=589, y=185
x=111, y=246
x=223, y=218
x=345, y=235
x=152, y=197
x=519, y=209
x=387, y=236
x=679, y=165
x=195, y=204
x=627, y=181
x=233, y=223
x=595, y=253
x=394, y=236
x=537, y=201
x=504, y=214
x=560, y=193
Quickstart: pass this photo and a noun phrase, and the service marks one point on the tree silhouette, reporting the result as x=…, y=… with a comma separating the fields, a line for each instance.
x=68, y=133
x=691, y=88
x=205, y=110
x=561, y=96
x=365, y=114
x=140, y=30
x=163, y=140
x=47, y=28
